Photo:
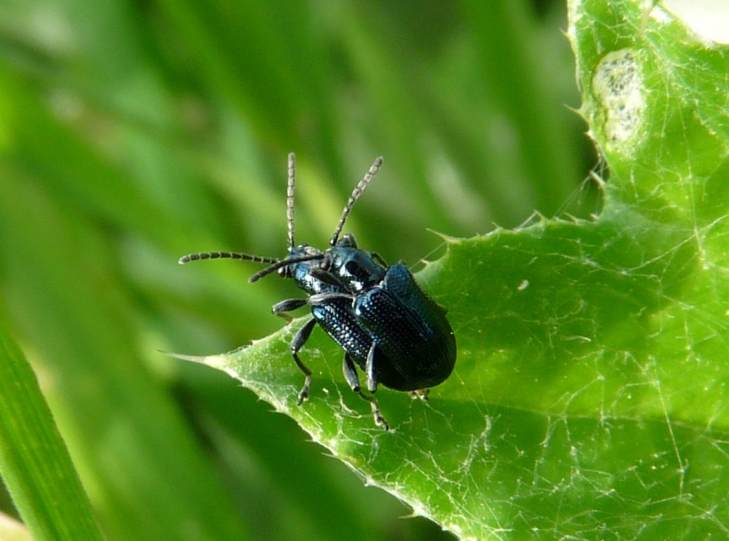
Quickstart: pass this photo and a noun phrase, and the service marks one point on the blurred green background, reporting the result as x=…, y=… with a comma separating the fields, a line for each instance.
x=132, y=133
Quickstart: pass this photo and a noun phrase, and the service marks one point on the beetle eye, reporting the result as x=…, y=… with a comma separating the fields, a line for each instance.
x=354, y=269
x=348, y=241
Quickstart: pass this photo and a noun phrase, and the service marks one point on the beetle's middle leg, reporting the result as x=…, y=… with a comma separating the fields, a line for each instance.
x=296, y=344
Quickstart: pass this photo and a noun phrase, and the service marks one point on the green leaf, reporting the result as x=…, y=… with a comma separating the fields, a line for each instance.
x=589, y=397
x=34, y=461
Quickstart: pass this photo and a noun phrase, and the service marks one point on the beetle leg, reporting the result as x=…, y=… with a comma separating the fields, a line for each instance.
x=379, y=259
x=350, y=374
x=319, y=299
x=326, y=277
x=379, y=419
x=370, y=369
x=298, y=342
x=281, y=308
x=422, y=394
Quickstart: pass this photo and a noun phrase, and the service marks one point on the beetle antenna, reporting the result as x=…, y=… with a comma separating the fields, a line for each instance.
x=227, y=255
x=290, y=201
x=353, y=198
x=279, y=264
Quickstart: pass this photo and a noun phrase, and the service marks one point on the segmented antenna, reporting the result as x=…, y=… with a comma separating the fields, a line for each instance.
x=353, y=198
x=290, y=201
x=282, y=263
x=227, y=255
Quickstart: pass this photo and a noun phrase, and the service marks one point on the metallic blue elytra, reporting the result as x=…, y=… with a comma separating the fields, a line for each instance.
x=410, y=329
x=386, y=325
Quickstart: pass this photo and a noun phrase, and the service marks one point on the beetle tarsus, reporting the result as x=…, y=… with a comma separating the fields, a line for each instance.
x=304, y=393
x=421, y=394
x=379, y=419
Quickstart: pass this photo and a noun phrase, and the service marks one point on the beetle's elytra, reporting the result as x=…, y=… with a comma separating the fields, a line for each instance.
x=379, y=316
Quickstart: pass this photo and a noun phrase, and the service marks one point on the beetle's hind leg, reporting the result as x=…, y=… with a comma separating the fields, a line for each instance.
x=370, y=369
x=350, y=374
x=379, y=419
x=296, y=344
x=422, y=394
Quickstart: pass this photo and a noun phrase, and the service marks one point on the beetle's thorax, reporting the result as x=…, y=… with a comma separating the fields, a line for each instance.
x=355, y=268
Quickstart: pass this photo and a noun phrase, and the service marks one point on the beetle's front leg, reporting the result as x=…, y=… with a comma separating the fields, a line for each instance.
x=296, y=344
x=282, y=308
x=350, y=374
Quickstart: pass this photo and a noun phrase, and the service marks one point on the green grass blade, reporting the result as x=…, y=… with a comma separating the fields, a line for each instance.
x=34, y=461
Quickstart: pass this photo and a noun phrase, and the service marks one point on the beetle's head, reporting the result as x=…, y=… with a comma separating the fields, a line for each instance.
x=301, y=255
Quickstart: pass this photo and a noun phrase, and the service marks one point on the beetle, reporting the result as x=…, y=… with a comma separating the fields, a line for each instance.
x=379, y=316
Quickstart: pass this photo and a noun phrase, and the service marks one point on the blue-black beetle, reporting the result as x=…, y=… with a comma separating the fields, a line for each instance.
x=377, y=314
